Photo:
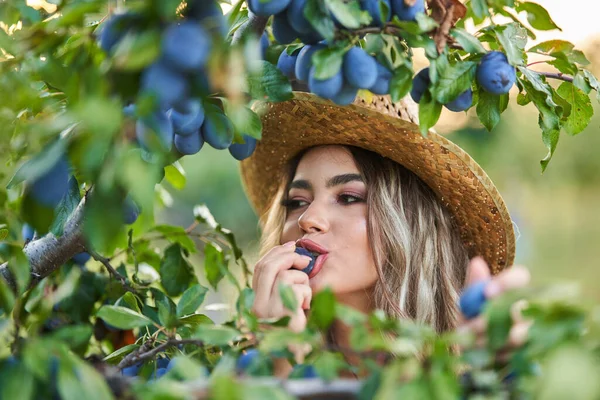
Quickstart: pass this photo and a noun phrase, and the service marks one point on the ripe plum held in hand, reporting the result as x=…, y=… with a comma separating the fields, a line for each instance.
x=303, y=252
x=473, y=299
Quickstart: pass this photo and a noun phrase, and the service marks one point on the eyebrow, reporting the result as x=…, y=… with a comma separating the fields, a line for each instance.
x=334, y=181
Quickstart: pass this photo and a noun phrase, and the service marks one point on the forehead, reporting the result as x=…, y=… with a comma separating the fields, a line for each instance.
x=326, y=161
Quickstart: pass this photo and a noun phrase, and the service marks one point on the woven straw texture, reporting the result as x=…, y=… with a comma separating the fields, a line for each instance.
x=392, y=131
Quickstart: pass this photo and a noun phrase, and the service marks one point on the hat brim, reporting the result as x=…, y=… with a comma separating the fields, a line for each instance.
x=458, y=181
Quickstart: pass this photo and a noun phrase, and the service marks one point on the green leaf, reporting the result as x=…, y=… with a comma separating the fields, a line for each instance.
x=65, y=208
x=537, y=16
x=122, y=317
x=167, y=311
x=74, y=336
x=468, y=42
x=513, y=38
x=581, y=108
x=322, y=310
x=16, y=382
x=118, y=355
x=245, y=121
x=560, y=49
x=191, y=299
x=7, y=297
x=214, y=264
x=429, y=112
x=488, y=109
x=137, y=50
x=288, y=298
x=539, y=84
x=175, y=176
x=270, y=84
x=77, y=380
x=20, y=269
x=329, y=364
x=593, y=82
x=318, y=15
x=401, y=83
x=196, y=319
x=39, y=164
x=4, y=231
x=480, y=8
x=328, y=62
x=425, y=23
x=452, y=80
x=175, y=272
x=348, y=13
x=128, y=300
x=217, y=335
x=177, y=235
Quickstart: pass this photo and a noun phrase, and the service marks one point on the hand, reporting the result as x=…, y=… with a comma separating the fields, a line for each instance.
x=511, y=278
x=281, y=265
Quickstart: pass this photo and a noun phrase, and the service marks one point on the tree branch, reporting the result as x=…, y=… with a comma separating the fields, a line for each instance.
x=555, y=75
x=48, y=253
x=146, y=352
x=255, y=25
x=106, y=262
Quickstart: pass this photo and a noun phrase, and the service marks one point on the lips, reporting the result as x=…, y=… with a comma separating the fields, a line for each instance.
x=318, y=252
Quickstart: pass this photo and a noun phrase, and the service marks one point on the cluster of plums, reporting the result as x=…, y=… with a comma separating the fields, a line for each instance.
x=494, y=74
x=176, y=81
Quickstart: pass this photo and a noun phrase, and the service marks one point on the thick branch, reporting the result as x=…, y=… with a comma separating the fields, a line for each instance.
x=556, y=75
x=48, y=253
x=146, y=352
x=255, y=25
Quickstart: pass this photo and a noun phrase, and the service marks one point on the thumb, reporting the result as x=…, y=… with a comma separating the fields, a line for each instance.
x=477, y=271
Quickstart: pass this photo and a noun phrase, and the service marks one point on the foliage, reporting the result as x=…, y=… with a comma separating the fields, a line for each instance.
x=96, y=105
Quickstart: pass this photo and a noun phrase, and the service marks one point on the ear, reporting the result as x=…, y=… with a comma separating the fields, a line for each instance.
x=477, y=271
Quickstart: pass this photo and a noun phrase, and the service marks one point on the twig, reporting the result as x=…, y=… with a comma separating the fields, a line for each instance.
x=555, y=75
x=106, y=262
x=146, y=352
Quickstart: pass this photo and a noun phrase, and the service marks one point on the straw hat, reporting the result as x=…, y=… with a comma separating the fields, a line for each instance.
x=390, y=130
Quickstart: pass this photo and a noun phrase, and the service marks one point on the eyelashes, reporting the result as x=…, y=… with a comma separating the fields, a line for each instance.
x=343, y=199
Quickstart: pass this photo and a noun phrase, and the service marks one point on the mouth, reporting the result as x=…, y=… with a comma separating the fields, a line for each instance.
x=316, y=252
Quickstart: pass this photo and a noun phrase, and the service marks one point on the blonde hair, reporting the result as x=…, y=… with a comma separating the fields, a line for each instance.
x=419, y=256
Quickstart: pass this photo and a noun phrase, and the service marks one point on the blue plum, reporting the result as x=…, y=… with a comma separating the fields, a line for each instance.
x=81, y=258
x=462, y=102
x=50, y=188
x=245, y=360
x=282, y=30
x=27, y=232
x=131, y=211
x=188, y=117
x=241, y=151
x=129, y=110
x=167, y=85
x=346, y=96
x=304, y=371
x=473, y=299
x=115, y=29
x=312, y=37
x=405, y=12
x=372, y=7
x=163, y=362
x=296, y=18
x=287, y=63
x=360, y=69
x=186, y=46
x=384, y=78
x=420, y=84
x=188, y=145
x=304, y=61
x=326, y=88
x=494, y=74
x=155, y=131
x=264, y=45
x=131, y=371
x=210, y=15
x=217, y=130
x=303, y=252
x=266, y=8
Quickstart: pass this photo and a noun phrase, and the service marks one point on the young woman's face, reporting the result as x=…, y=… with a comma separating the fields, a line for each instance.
x=327, y=204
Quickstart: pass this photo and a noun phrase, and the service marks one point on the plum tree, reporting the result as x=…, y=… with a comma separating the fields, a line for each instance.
x=217, y=130
x=287, y=63
x=266, y=8
x=304, y=61
x=166, y=84
x=383, y=81
x=185, y=46
x=360, y=69
x=190, y=144
x=473, y=299
x=494, y=74
x=282, y=30
x=50, y=188
x=188, y=117
x=155, y=131
x=241, y=151
x=420, y=84
x=462, y=102
x=372, y=6
x=296, y=18
x=326, y=88
x=346, y=95
x=406, y=12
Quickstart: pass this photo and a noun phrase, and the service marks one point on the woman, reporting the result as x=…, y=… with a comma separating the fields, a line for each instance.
x=400, y=222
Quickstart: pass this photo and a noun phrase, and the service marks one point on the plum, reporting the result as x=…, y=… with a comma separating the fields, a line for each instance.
x=372, y=7
x=405, y=12
x=132, y=370
x=360, y=69
x=155, y=131
x=131, y=211
x=217, y=130
x=303, y=371
x=420, y=84
x=129, y=110
x=326, y=88
x=246, y=359
x=81, y=258
x=210, y=14
x=266, y=8
x=188, y=145
x=188, y=117
x=384, y=78
x=462, y=102
x=304, y=61
x=494, y=74
x=287, y=63
x=282, y=30
x=312, y=37
x=50, y=188
x=346, y=96
x=113, y=30
x=186, y=46
x=27, y=232
x=241, y=151
x=473, y=299
x=303, y=252
x=296, y=18
x=166, y=84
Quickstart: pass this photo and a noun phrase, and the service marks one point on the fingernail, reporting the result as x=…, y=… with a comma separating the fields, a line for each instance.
x=492, y=289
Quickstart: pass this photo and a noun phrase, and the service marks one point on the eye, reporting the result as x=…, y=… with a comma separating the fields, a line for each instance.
x=349, y=199
x=291, y=204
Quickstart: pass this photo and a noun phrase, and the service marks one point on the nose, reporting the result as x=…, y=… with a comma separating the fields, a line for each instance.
x=314, y=219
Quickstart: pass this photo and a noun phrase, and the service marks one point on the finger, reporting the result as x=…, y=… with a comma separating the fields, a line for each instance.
x=303, y=296
x=477, y=270
x=516, y=311
x=518, y=335
x=476, y=325
x=512, y=278
x=292, y=276
x=273, y=253
x=266, y=281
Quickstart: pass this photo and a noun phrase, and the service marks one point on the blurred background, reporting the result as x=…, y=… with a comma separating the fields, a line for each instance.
x=556, y=213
